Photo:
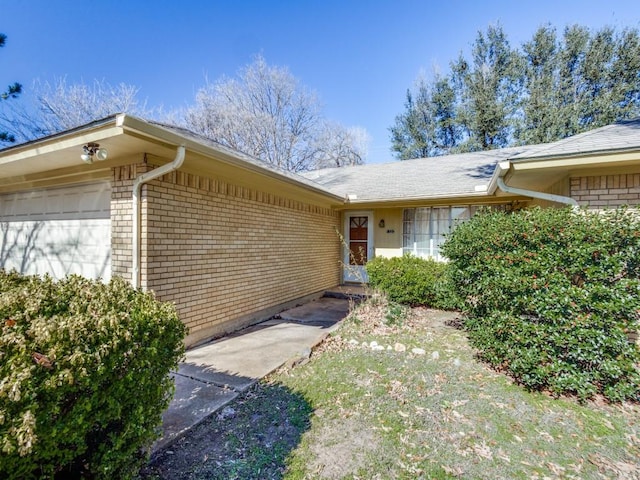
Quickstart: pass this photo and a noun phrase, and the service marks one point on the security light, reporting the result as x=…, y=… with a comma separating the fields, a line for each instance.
x=91, y=151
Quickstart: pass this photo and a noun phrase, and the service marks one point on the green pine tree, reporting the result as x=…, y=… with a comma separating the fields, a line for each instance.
x=549, y=89
x=487, y=89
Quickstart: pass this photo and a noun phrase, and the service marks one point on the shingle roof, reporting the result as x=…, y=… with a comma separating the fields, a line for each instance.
x=460, y=174
x=622, y=135
x=451, y=175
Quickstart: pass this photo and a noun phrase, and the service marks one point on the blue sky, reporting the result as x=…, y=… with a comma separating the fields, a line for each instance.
x=359, y=56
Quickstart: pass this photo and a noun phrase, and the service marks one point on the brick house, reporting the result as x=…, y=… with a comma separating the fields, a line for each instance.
x=232, y=241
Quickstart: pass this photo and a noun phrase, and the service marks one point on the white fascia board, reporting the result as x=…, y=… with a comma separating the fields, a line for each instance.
x=501, y=170
x=158, y=132
x=53, y=144
x=585, y=159
x=415, y=198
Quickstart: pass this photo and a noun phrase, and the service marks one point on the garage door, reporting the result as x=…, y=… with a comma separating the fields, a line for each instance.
x=57, y=231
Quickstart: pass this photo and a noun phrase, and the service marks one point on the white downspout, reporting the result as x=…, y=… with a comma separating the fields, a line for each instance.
x=541, y=195
x=497, y=181
x=135, y=227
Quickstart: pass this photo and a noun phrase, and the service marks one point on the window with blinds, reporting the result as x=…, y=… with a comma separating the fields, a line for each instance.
x=424, y=229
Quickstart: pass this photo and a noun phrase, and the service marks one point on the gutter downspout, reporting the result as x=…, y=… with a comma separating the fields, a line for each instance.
x=541, y=195
x=502, y=169
x=135, y=228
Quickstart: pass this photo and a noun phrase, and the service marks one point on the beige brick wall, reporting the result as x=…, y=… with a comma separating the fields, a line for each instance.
x=121, y=219
x=224, y=253
x=606, y=190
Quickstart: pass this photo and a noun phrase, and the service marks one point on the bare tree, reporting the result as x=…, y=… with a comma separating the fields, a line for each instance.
x=53, y=107
x=266, y=113
x=341, y=147
x=13, y=91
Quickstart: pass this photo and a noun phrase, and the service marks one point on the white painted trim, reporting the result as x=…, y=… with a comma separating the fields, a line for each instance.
x=358, y=270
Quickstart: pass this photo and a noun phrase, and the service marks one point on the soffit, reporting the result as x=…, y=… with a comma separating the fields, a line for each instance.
x=58, y=162
x=539, y=174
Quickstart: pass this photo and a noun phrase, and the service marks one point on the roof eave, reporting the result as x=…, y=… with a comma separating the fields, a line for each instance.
x=500, y=171
x=239, y=160
x=126, y=124
x=576, y=155
x=56, y=137
x=399, y=201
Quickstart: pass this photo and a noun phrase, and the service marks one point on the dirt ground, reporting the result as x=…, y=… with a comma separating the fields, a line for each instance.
x=249, y=438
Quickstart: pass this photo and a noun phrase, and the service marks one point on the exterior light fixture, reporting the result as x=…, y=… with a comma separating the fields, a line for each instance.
x=381, y=223
x=93, y=151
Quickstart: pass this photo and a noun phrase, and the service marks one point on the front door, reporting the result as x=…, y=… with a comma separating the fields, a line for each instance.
x=358, y=235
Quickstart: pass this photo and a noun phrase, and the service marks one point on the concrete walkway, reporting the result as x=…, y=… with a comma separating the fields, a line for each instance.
x=215, y=373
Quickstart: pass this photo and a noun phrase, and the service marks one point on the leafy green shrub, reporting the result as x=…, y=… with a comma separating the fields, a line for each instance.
x=84, y=376
x=413, y=281
x=447, y=297
x=552, y=295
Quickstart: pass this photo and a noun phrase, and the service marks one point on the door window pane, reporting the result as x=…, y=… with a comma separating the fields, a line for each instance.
x=358, y=240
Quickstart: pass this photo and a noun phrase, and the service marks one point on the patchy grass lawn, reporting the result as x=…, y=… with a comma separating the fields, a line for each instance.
x=366, y=410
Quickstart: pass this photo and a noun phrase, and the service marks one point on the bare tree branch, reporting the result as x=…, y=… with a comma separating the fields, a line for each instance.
x=266, y=113
x=53, y=107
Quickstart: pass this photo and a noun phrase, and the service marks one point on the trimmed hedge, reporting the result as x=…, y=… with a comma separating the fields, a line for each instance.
x=414, y=281
x=552, y=296
x=84, y=376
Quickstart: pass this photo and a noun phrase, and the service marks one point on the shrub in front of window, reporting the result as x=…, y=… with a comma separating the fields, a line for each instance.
x=552, y=296
x=84, y=376
x=412, y=281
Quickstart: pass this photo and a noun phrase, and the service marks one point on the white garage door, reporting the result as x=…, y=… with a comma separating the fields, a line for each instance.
x=57, y=231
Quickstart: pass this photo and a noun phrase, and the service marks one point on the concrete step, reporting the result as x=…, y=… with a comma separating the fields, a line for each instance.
x=355, y=292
